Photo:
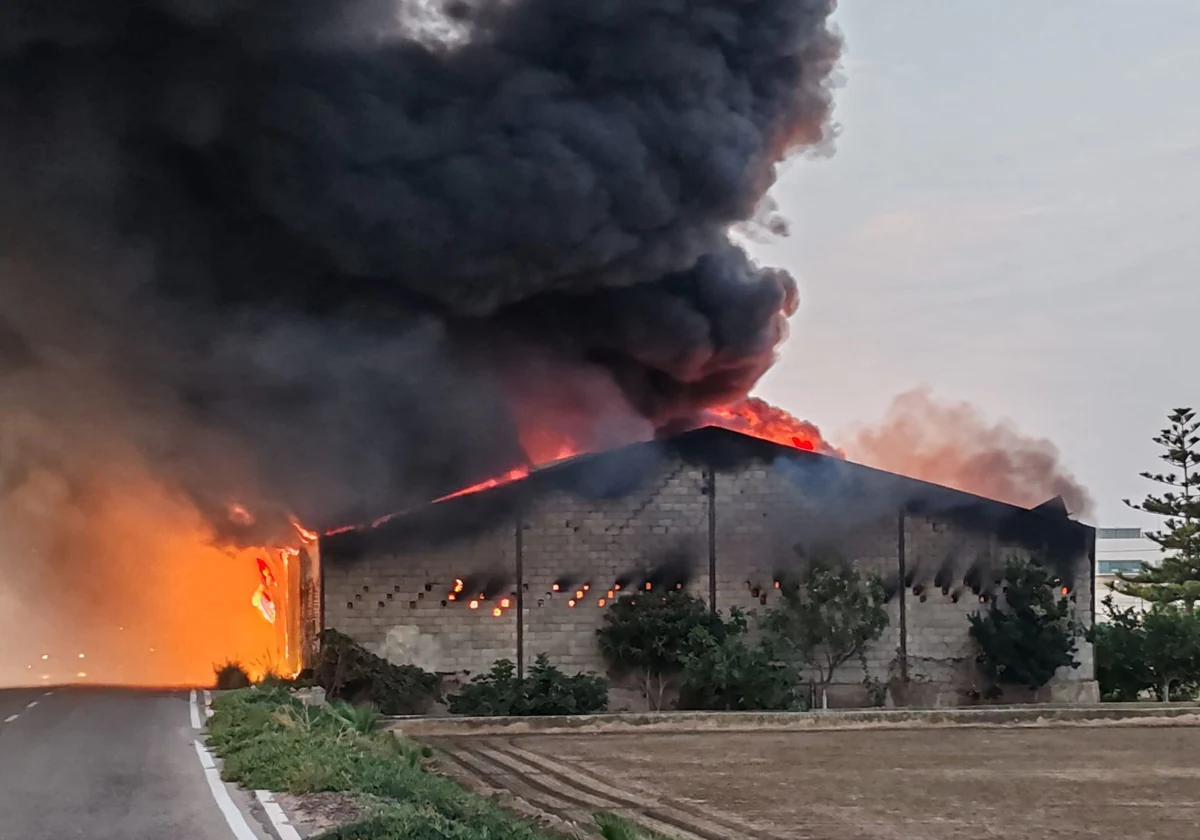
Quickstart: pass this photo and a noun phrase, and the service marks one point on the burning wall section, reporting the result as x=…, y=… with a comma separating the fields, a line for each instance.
x=528, y=567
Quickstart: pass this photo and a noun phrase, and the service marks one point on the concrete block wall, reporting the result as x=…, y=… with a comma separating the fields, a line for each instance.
x=398, y=605
x=765, y=526
x=580, y=542
x=940, y=651
x=939, y=603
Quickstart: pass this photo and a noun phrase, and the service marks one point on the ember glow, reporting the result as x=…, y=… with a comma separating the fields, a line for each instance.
x=488, y=484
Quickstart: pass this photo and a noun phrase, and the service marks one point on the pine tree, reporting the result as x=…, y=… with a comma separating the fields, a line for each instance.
x=1177, y=579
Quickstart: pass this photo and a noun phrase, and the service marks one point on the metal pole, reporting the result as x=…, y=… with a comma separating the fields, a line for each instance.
x=518, y=545
x=710, y=489
x=902, y=563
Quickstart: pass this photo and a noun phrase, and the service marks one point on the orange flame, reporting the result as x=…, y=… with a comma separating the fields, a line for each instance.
x=265, y=574
x=263, y=603
x=306, y=535
x=509, y=477
x=750, y=416
x=760, y=419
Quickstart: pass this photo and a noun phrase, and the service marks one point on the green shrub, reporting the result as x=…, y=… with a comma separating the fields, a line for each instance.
x=359, y=718
x=649, y=635
x=231, y=676
x=268, y=740
x=1172, y=650
x=616, y=827
x=1023, y=642
x=348, y=671
x=1122, y=669
x=545, y=691
x=723, y=673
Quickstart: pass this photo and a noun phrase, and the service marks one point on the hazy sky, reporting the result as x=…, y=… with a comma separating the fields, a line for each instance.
x=1011, y=217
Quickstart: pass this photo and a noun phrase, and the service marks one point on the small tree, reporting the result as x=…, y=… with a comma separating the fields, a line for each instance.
x=827, y=617
x=730, y=675
x=1177, y=579
x=1029, y=637
x=649, y=634
x=1172, y=650
x=1157, y=651
x=1120, y=649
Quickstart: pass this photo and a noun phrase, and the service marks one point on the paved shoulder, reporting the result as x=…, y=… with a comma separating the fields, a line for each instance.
x=103, y=765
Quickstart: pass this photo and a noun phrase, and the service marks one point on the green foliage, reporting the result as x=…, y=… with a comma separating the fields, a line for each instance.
x=649, y=634
x=1031, y=636
x=358, y=718
x=1177, y=579
x=347, y=671
x=547, y=690
x=724, y=673
x=615, y=827
x=1173, y=650
x=827, y=617
x=267, y=740
x=230, y=676
x=1157, y=652
x=1120, y=650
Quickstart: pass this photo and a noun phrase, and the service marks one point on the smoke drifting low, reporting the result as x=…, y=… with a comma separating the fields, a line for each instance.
x=952, y=444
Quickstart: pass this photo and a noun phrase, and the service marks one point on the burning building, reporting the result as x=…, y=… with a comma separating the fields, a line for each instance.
x=526, y=566
x=296, y=259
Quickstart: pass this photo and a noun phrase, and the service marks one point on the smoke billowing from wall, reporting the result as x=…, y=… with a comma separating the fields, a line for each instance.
x=954, y=445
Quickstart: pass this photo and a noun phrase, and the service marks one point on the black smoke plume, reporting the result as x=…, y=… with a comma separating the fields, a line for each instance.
x=328, y=257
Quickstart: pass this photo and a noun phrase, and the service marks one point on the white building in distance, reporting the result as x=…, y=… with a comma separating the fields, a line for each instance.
x=1121, y=550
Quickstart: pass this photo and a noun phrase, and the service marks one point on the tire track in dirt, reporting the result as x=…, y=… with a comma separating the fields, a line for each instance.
x=488, y=779
x=698, y=813
x=541, y=793
x=569, y=792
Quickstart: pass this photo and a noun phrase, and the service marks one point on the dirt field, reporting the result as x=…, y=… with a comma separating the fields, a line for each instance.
x=1032, y=784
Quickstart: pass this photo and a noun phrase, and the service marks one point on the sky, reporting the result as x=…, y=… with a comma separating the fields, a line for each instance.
x=1011, y=217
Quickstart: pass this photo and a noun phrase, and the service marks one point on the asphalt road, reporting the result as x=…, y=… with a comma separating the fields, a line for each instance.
x=102, y=764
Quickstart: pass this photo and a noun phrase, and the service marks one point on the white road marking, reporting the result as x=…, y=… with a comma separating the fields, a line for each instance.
x=279, y=820
x=48, y=693
x=194, y=710
x=11, y=718
x=31, y=704
x=234, y=817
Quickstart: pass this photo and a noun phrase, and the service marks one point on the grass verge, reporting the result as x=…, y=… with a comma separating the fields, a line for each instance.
x=268, y=740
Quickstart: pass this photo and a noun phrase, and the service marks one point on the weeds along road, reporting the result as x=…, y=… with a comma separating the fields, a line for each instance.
x=103, y=764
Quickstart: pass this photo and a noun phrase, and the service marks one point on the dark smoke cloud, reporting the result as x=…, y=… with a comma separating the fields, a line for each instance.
x=311, y=252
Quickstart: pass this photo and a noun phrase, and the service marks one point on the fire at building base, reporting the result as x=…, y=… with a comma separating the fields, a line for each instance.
x=131, y=586
x=527, y=567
